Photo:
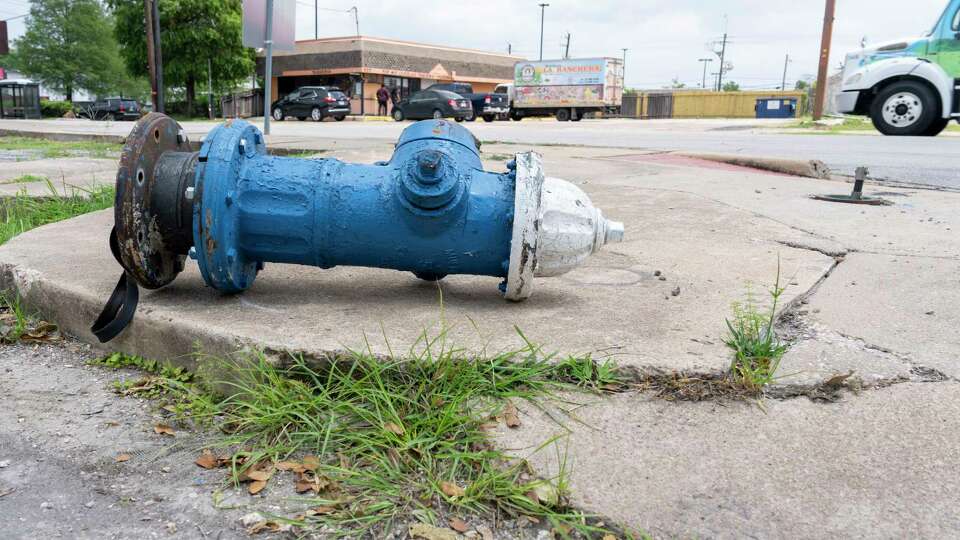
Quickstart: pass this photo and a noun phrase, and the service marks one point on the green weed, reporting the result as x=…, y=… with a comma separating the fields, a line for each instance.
x=397, y=439
x=753, y=339
x=48, y=148
x=14, y=319
x=27, y=179
x=21, y=212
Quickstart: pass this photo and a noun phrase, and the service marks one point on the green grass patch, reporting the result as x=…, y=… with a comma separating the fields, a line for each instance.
x=21, y=212
x=853, y=124
x=387, y=441
x=47, y=148
x=753, y=339
x=27, y=179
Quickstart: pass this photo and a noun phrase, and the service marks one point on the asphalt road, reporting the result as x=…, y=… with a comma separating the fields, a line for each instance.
x=922, y=160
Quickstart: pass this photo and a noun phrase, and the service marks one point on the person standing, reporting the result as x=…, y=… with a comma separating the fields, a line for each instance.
x=382, y=96
x=394, y=96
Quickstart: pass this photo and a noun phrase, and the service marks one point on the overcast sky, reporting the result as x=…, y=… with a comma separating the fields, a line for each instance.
x=665, y=38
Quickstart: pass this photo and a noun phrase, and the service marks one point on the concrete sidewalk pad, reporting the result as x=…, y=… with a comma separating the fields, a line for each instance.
x=884, y=464
x=67, y=175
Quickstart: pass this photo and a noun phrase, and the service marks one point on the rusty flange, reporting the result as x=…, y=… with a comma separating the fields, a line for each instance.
x=144, y=248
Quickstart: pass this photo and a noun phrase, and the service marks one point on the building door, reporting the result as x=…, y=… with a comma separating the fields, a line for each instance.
x=659, y=106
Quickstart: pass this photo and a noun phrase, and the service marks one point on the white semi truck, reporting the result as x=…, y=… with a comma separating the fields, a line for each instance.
x=567, y=89
x=910, y=86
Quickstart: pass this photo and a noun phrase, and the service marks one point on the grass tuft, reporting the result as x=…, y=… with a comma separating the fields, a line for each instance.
x=22, y=212
x=27, y=179
x=751, y=335
x=396, y=439
x=49, y=149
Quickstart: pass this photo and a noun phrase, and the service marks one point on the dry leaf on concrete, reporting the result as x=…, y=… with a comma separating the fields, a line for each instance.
x=510, y=416
x=429, y=532
x=452, y=490
x=485, y=532
x=207, y=460
x=123, y=457
x=459, y=525
x=609, y=537
x=256, y=486
x=163, y=429
x=288, y=465
x=311, y=463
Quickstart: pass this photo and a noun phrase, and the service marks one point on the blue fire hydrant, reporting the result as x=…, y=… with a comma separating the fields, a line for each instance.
x=431, y=210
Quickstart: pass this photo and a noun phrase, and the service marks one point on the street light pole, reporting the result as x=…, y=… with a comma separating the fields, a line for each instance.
x=824, y=59
x=624, y=70
x=783, y=85
x=543, y=9
x=705, y=61
x=268, y=68
x=723, y=56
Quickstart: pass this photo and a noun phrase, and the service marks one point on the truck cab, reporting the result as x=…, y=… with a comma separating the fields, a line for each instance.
x=908, y=87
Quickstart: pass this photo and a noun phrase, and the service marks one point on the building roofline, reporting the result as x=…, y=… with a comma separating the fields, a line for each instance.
x=409, y=43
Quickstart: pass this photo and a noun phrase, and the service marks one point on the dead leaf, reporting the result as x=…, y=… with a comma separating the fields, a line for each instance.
x=259, y=476
x=452, y=490
x=394, y=428
x=311, y=463
x=163, y=429
x=459, y=525
x=288, y=465
x=111, y=423
x=837, y=380
x=320, y=510
x=123, y=457
x=429, y=532
x=256, y=486
x=207, y=460
x=510, y=416
x=269, y=526
x=609, y=537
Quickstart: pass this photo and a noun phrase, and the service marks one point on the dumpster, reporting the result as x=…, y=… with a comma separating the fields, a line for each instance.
x=776, y=108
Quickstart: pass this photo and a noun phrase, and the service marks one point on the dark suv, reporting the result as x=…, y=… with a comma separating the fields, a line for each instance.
x=316, y=102
x=111, y=109
x=433, y=104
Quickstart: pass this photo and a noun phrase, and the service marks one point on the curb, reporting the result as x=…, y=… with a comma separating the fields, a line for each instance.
x=794, y=167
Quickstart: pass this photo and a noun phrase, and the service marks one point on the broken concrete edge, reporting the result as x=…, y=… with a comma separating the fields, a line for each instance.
x=793, y=167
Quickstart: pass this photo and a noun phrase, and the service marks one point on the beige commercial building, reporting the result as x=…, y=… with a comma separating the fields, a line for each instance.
x=359, y=65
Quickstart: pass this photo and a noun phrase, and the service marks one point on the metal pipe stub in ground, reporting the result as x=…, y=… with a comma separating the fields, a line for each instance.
x=855, y=197
x=431, y=210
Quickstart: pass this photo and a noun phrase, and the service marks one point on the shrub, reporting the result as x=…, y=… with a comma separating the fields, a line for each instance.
x=54, y=109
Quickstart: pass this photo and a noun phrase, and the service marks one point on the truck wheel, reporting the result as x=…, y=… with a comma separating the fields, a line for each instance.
x=563, y=115
x=516, y=116
x=937, y=126
x=489, y=117
x=905, y=108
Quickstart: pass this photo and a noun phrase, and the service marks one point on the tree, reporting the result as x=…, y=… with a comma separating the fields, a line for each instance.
x=676, y=84
x=802, y=85
x=192, y=32
x=731, y=86
x=68, y=45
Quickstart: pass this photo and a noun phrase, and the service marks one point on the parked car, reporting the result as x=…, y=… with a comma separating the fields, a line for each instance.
x=315, y=102
x=488, y=105
x=433, y=104
x=111, y=109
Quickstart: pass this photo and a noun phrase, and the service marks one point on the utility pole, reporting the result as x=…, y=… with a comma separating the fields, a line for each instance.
x=151, y=15
x=624, y=70
x=356, y=18
x=723, y=54
x=566, y=50
x=825, y=40
x=783, y=85
x=705, y=61
x=210, y=88
x=509, y=48
x=543, y=9
x=268, y=68
x=316, y=20
x=151, y=57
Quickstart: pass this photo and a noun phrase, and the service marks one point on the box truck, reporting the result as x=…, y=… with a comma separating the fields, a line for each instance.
x=567, y=89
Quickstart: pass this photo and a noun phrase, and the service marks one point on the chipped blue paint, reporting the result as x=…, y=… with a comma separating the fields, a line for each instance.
x=431, y=209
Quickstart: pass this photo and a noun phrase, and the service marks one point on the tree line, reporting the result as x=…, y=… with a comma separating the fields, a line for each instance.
x=100, y=47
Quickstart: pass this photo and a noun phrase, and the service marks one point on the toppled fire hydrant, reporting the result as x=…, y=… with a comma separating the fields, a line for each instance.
x=431, y=210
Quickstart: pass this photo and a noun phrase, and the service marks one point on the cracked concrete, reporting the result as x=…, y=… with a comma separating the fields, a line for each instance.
x=872, y=291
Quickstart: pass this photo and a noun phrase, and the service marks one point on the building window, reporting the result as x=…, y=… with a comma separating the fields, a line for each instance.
x=398, y=82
